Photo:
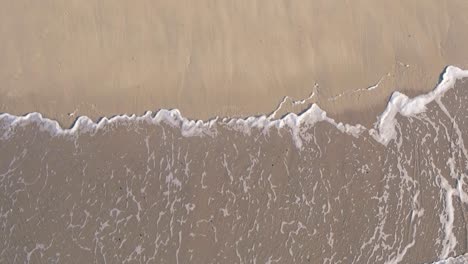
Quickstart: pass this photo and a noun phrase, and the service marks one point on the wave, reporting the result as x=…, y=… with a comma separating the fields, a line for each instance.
x=383, y=130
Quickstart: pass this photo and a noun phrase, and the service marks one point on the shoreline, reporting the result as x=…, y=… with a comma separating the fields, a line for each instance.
x=221, y=59
x=369, y=100
x=382, y=131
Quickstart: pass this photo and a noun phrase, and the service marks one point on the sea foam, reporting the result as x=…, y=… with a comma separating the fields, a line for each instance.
x=383, y=130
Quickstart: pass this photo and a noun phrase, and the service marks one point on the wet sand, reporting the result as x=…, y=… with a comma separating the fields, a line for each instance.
x=133, y=192
x=210, y=58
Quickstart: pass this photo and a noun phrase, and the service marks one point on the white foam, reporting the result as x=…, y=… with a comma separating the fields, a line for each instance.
x=453, y=260
x=297, y=124
x=189, y=128
x=383, y=131
x=399, y=103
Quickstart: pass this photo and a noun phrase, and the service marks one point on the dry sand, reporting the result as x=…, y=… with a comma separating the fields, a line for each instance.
x=211, y=58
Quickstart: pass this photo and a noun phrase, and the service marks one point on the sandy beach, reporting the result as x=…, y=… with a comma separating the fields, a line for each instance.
x=228, y=58
x=295, y=182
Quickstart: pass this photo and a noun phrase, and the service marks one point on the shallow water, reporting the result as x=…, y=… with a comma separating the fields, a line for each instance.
x=139, y=192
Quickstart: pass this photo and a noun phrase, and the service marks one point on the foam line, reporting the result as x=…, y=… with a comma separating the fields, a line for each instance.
x=383, y=131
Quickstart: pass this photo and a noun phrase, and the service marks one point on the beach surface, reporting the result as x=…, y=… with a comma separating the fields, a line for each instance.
x=341, y=135
x=222, y=58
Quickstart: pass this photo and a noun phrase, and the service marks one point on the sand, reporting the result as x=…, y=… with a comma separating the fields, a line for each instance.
x=140, y=192
x=221, y=58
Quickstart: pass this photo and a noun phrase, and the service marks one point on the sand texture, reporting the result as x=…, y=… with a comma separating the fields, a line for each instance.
x=226, y=58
